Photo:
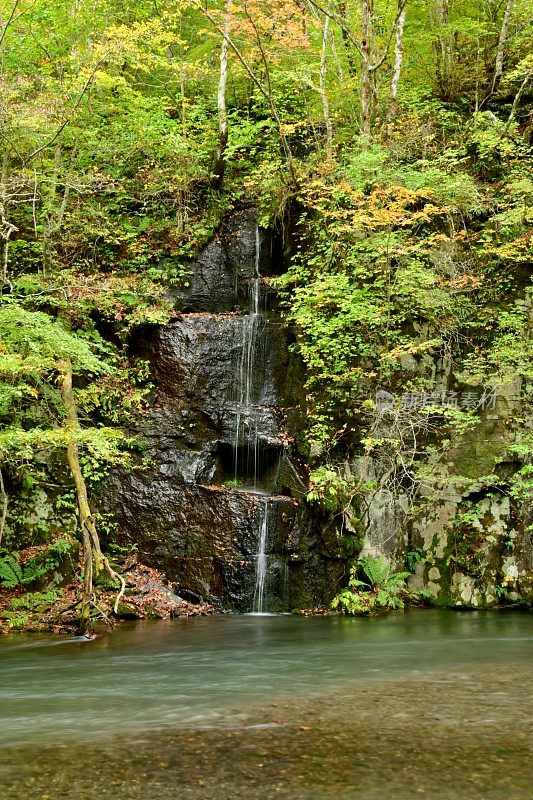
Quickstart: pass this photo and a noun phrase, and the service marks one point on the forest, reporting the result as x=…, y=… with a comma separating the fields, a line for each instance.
x=386, y=148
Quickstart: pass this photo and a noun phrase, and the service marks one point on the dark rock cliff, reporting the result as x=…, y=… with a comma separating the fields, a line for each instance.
x=221, y=463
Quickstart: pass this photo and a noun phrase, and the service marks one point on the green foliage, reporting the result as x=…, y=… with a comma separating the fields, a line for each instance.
x=414, y=557
x=330, y=489
x=446, y=180
x=521, y=483
x=36, y=343
x=14, y=574
x=11, y=573
x=16, y=619
x=379, y=591
x=35, y=601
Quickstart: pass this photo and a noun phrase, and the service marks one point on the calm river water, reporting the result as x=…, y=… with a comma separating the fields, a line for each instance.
x=427, y=703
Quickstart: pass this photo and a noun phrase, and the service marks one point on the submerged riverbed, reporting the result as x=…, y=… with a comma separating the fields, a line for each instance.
x=425, y=702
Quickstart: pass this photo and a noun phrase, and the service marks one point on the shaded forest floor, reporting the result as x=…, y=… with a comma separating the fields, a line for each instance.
x=147, y=596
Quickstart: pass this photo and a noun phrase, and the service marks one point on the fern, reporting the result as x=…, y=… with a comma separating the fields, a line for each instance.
x=381, y=592
x=11, y=574
x=16, y=620
x=376, y=569
x=35, y=601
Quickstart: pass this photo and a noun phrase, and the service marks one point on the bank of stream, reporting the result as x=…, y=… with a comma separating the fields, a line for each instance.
x=423, y=703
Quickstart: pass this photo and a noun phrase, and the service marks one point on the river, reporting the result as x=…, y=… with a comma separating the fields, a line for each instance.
x=422, y=703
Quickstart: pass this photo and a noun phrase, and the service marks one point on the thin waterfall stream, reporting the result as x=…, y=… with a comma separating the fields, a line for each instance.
x=246, y=441
x=220, y=442
x=249, y=324
x=261, y=562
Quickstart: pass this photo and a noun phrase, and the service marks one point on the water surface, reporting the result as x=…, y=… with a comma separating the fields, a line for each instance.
x=191, y=687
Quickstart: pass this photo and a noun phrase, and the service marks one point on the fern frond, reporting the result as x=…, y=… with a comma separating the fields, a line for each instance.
x=11, y=574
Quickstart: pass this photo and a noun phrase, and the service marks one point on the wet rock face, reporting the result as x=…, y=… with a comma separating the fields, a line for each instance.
x=198, y=428
x=196, y=363
x=204, y=537
x=220, y=468
x=220, y=278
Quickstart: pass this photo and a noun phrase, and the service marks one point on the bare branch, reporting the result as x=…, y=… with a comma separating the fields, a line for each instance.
x=264, y=91
x=67, y=121
x=340, y=22
x=518, y=96
x=323, y=87
x=502, y=42
x=401, y=10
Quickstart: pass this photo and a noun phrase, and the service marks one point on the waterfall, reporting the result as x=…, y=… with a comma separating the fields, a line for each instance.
x=246, y=442
x=261, y=564
x=245, y=420
x=256, y=281
x=220, y=459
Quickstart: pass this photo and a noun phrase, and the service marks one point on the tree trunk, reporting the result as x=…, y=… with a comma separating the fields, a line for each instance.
x=367, y=88
x=4, y=499
x=2, y=43
x=346, y=39
x=6, y=227
x=53, y=217
x=93, y=558
x=323, y=87
x=220, y=162
x=398, y=55
x=443, y=50
x=502, y=42
x=89, y=536
x=257, y=81
x=518, y=96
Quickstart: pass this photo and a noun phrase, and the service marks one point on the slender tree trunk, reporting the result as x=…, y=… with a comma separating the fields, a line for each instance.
x=323, y=87
x=4, y=25
x=398, y=55
x=443, y=49
x=6, y=227
x=502, y=42
x=88, y=592
x=2, y=43
x=220, y=162
x=183, y=101
x=54, y=218
x=257, y=81
x=93, y=558
x=518, y=96
x=89, y=535
x=4, y=499
x=367, y=84
x=352, y=66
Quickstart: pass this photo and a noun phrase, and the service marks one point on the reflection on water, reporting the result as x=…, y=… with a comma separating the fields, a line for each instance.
x=206, y=672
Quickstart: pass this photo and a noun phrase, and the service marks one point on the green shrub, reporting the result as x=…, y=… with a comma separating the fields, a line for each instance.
x=35, y=601
x=380, y=591
x=13, y=574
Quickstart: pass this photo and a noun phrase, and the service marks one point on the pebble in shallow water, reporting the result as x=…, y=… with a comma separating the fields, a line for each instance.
x=445, y=737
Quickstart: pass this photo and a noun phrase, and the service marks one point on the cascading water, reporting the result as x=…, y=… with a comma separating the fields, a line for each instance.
x=219, y=457
x=256, y=281
x=245, y=423
x=246, y=416
x=259, y=601
x=246, y=442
